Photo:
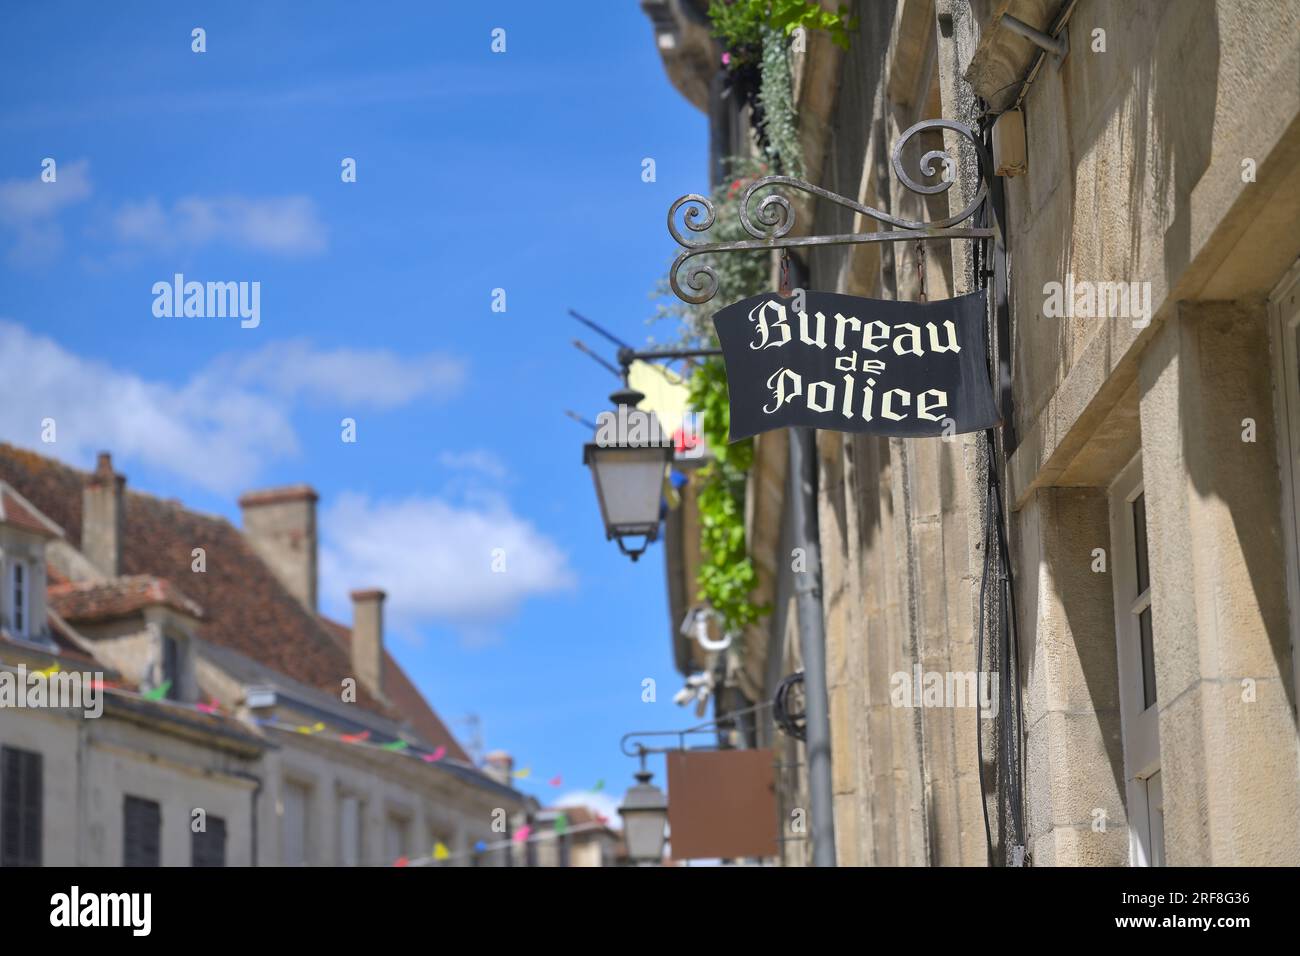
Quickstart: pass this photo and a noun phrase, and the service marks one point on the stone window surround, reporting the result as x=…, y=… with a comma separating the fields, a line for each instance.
x=1284, y=329
x=1140, y=727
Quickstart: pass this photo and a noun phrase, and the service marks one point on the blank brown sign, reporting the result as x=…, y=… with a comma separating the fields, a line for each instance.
x=722, y=803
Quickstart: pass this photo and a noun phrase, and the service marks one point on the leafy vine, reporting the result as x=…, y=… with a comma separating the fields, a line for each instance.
x=727, y=576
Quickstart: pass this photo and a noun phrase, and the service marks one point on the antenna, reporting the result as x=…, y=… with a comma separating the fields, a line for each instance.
x=587, y=351
x=475, y=742
x=599, y=330
x=580, y=420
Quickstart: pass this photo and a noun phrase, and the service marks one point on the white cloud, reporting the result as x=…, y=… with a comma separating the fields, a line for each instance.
x=30, y=207
x=375, y=378
x=435, y=557
x=284, y=225
x=477, y=461
x=217, y=438
x=217, y=430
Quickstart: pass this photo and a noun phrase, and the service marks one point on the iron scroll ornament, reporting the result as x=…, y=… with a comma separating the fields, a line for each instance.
x=771, y=219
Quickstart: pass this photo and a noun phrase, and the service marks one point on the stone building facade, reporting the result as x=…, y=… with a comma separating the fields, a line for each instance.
x=1148, y=461
x=223, y=690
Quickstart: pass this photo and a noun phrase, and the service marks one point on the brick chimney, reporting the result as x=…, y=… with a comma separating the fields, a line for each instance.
x=280, y=524
x=368, y=638
x=500, y=766
x=101, y=517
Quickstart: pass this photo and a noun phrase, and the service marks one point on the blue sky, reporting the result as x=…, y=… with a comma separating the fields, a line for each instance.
x=475, y=171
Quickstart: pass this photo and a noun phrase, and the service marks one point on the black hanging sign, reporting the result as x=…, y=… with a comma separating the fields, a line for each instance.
x=844, y=363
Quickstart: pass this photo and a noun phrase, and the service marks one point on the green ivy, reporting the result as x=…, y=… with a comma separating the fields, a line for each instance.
x=727, y=576
x=739, y=23
x=776, y=94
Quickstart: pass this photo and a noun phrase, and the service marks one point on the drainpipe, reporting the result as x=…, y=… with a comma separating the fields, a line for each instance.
x=812, y=642
x=812, y=626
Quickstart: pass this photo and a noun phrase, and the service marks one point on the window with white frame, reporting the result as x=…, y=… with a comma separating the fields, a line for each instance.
x=1284, y=308
x=19, y=598
x=1135, y=646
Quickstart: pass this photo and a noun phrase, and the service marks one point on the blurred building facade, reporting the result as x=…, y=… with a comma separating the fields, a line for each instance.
x=240, y=726
x=1150, y=470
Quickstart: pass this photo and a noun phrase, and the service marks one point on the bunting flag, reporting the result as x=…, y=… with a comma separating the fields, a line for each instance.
x=600, y=785
x=480, y=847
x=440, y=851
x=521, y=835
x=213, y=707
x=401, y=861
x=561, y=824
x=159, y=692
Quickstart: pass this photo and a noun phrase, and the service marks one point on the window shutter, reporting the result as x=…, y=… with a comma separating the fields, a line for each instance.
x=141, y=833
x=209, y=848
x=21, y=798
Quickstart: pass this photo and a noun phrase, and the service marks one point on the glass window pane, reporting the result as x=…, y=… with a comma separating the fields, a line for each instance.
x=1148, y=660
x=1140, y=541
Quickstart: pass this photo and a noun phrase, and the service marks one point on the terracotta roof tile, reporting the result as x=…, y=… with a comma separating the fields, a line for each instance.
x=406, y=698
x=14, y=512
x=245, y=607
x=90, y=601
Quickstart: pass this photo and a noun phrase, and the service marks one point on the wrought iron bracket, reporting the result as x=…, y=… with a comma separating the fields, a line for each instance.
x=770, y=219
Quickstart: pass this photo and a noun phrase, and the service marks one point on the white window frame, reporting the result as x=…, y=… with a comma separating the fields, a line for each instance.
x=1140, y=725
x=1284, y=321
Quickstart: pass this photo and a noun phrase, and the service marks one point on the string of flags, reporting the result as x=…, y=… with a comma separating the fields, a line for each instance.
x=210, y=707
x=524, y=835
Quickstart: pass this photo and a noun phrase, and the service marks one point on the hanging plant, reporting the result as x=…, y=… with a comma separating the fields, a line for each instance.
x=756, y=37
x=739, y=23
x=727, y=576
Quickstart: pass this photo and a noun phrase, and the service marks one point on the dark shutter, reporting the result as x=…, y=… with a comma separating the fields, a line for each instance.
x=142, y=833
x=20, y=807
x=171, y=669
x=209, y=848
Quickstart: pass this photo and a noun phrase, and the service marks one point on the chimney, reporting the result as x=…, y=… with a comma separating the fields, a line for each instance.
x=500, y=766
x=280, y=524
x=101, y=517
x=368, y=639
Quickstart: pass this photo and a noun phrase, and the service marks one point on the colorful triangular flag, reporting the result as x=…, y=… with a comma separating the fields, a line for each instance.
x=159, y=692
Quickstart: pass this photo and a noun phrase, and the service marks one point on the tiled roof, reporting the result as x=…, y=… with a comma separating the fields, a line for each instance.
x=90, y=601
x=406, y=698
x=245, y=607
x=14, y=512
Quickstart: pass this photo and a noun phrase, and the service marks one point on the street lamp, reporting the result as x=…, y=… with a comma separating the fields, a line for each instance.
x=644, y=812
x=629, y=482
x=629, y=475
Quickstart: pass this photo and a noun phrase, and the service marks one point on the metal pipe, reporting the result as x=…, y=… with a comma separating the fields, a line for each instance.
x=812, y=642
x=1035, y=36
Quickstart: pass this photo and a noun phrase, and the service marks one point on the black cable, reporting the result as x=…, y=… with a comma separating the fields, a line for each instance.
x=793, y=723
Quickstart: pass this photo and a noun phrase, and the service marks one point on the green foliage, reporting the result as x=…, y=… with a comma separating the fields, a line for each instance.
x=727, y=576
x=776, y=95
x=739, y=23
